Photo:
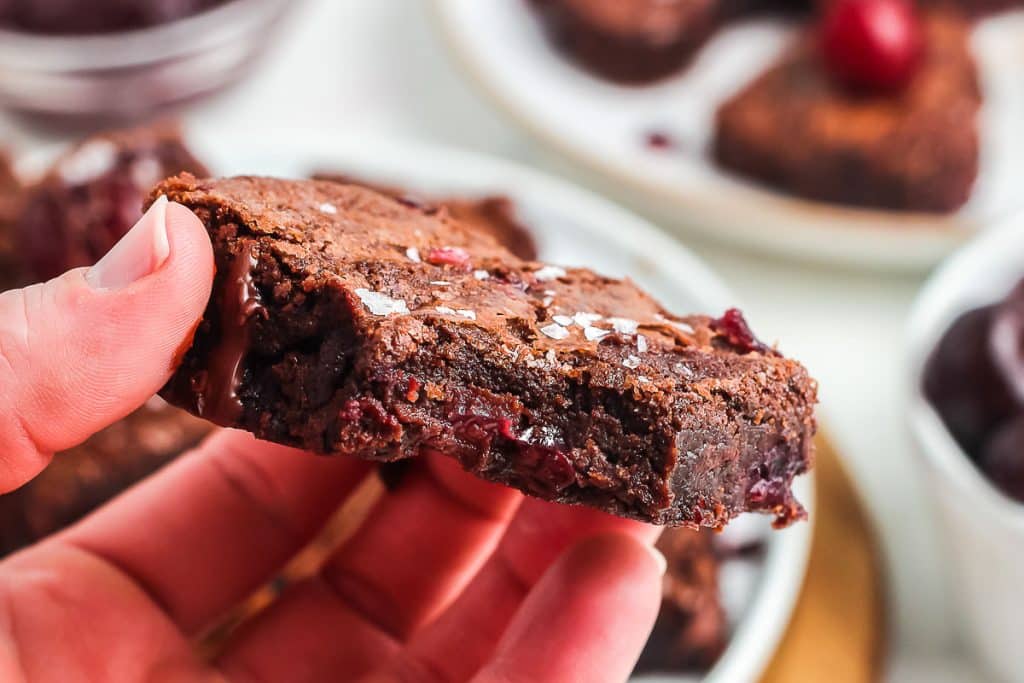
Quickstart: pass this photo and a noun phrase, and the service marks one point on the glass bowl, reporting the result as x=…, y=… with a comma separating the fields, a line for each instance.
x=130, y=74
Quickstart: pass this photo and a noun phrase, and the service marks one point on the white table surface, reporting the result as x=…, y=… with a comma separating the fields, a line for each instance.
x=361, y=65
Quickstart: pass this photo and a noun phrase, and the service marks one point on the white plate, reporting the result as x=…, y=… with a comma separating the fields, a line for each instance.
x=573, y=227
x=601, y=127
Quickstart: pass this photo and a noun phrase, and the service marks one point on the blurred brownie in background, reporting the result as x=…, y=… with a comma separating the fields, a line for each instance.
x=797, y=129
x=692, y=629
x=93, y=194
x=83, y=478
x=630, y=41
x=492, y=214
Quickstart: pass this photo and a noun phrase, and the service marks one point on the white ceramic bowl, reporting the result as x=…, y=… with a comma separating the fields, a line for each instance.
x=983, y=529
x=600, y=127
x=131, y=74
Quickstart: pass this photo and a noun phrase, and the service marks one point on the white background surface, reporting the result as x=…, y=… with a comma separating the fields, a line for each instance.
x=379, y=65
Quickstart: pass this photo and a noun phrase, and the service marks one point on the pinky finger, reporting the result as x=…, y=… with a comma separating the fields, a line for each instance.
x=588, y=617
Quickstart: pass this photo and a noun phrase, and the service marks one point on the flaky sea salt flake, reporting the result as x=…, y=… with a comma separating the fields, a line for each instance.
x=380, y=304
x=548, y=273
x=585, y=319
x=624, y=325
x=555, y=331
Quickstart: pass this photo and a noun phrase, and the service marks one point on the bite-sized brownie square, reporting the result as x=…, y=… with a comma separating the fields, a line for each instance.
x=83, y=478
x=795, y=129
x=92, y=195
x=631, y=41
x=347, y=322
x=692, y=630
x=493, y=214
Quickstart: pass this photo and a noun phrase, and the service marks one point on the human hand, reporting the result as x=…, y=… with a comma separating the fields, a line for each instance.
x=449, y=578
x=87, y=348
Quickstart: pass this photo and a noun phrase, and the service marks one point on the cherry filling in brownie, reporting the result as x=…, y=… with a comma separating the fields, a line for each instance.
x=347, y=322
x=798, y=128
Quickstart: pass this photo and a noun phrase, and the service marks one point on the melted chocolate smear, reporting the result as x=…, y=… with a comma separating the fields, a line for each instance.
x=217, y=397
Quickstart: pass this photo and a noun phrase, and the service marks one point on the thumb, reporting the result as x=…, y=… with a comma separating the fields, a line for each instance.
x=85, y=349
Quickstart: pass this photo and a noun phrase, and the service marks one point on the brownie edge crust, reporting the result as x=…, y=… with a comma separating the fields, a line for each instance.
x=345, y=322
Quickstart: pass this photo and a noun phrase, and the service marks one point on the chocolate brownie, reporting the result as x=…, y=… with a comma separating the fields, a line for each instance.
x=493, y=214
x=630, y=41
x=92, y=194
x=83, y=478
x=344, y=321
x=692, y=630
x=915, y=150
x=95, y=16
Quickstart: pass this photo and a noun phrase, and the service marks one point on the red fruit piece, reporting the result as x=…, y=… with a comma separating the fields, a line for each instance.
x=733, y=326
x=873, y=45
x=448, y=256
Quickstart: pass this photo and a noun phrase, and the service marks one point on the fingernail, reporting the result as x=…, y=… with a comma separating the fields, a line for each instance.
x=140, y=252
x=658, y=558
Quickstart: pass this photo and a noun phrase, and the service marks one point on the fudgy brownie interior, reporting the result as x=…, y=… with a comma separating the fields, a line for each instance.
x=347, y=322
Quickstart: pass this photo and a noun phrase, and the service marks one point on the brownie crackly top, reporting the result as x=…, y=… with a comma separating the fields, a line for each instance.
x=344, y=321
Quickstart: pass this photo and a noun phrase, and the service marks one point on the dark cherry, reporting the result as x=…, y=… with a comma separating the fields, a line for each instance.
x=734, y=328
x=872, y=45
x=1002, y=459
x=548, y=468
x=969, y=377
